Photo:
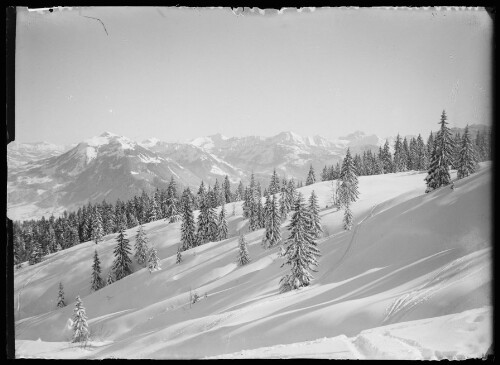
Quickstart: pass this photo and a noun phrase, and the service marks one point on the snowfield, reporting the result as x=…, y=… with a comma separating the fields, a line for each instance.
x=411, y=280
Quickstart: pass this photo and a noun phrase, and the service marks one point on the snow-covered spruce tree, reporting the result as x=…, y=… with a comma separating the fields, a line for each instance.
x=207, y=223
x=36, y=253
x=153, y=211
x=80, y=326
x=467, y=162
x=122, y=263
x=347, y=218
x=421, y=155
x=188, y=236
x=398, y=155
x=274, y=185
x=243, y=257
x=291, y=194
x=348, y=190
x=179, y=255
x=311, y=178
x=153, y=260
x=314, y=220
x=222, y=224
x=386, y=158
x=438, y=174
x=456, y=149
x=60, y=298
x=272, y=235
x=284, y=207
x=97, y=230
x=141, y=246
x=301, y=250
x=247, y=203
x=96, y=281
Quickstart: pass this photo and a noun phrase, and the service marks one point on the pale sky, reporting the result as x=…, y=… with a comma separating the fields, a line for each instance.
x=180, y=73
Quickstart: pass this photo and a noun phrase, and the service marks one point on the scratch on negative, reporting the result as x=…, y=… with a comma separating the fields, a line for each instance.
x=90, y=17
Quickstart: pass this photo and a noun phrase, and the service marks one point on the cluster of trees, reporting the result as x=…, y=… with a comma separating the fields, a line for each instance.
x=458, y=152
x=412, y=155
x=35, y=239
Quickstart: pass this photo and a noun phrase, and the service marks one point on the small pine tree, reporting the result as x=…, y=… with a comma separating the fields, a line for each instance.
x=153, y=260
x=222, y=224
x=179, y=255
x=311, y=178
x=141, y=246
x=96, y=282
x=122, y=263
x=97, y=230
x=348, y=190
x=110, y=279
x=80, y=325
x=60, y=298
x=243, y=257
x=314, y=219
x=301, y=251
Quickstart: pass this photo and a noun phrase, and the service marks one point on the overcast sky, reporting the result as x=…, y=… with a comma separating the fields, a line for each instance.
x=176, y=74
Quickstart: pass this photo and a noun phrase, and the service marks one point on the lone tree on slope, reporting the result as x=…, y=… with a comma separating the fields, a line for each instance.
x=60, y=298
x=96, y=282
x=243, y=257
x=179, y=255
x=441, y=158
x=153, y=260
x=223, y=230
x=301, y=251
x=80, y=325
x=122, y=263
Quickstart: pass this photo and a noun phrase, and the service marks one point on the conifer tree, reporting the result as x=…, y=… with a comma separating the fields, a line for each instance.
x=284, y=207
x=429, y=149
x=222, y=224
x=314, y=225
x=405, y=154
x=421, y=155
x=272, y=235
x=97, y=230
x=398, y=155
x=301, y=250
x=36, y=253
x=80, y=325
x=386, y=158
x=188, y=236
x=179, y=255
x=247, y=203
x=467, y=162
x=226, y=187
x=60, y=298
x=207, y=223
x=122, y=263
x=141, y=246
x=347, y=218
x=110, y=279
x=438, y=174
x=153, y=260
x=324, y=174
x=311, y=178
x=291, y=194
x=348, y=190
x=274, y=185
x=456, y=149
x=243, y=257
x=96, y=282
x=153, y=211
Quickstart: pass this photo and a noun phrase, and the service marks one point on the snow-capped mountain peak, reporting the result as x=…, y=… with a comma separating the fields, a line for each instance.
x=108, y=137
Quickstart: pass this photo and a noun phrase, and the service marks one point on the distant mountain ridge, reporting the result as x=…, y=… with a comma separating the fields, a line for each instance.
x=45, y=179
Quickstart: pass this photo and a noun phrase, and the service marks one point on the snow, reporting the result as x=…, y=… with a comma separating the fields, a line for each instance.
x=203, y=142
x=453, y=337
x=217, y=170
x=412, y=279
x=34, y=180
x=90, y=154
x=149, y=159
x=134, y=172
x=150, y=142
x=107, y=137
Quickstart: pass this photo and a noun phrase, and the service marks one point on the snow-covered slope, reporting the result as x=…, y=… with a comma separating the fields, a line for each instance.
x=410, y=256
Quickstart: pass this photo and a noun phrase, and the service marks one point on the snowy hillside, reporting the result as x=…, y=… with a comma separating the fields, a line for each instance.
x=415, y=266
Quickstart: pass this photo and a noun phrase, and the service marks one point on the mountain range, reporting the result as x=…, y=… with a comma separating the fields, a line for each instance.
x=45, y=179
